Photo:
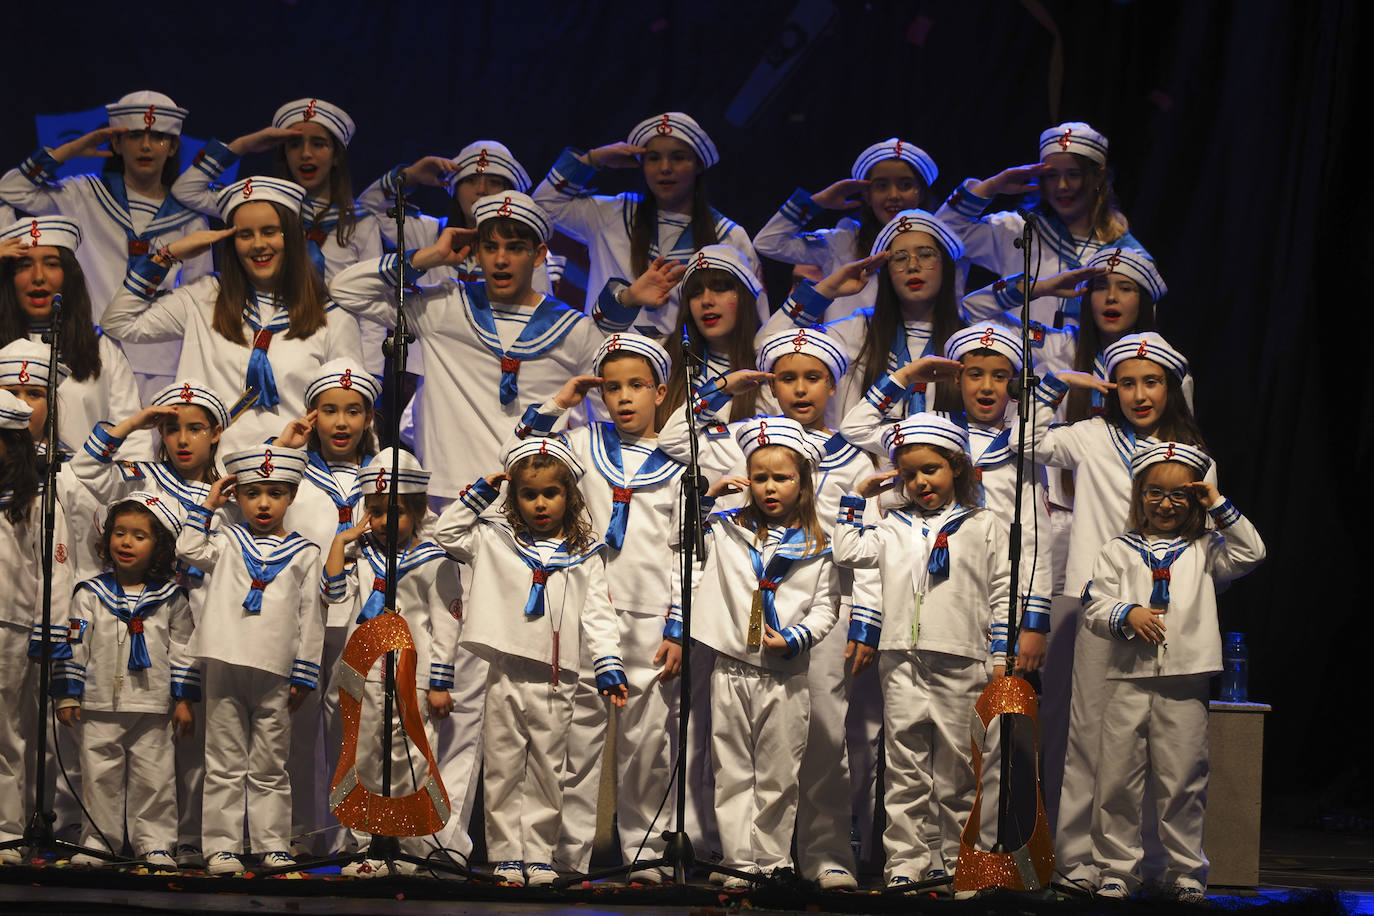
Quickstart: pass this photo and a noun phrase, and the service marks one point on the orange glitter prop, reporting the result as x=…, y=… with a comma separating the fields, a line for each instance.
x=1031, y=866
x=355, y=805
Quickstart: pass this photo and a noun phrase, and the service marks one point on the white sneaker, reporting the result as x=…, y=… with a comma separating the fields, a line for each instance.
x=539, y=874
x=10, y=857
x=1187, y=893
x=511, y=874
x=224, y=863
x=365, y=868
x=736, y=883
x=900, y=881
x=1113, y=890
x=159, y=860
x=86, y=860
x=275, y=860
x=837, y=879
x=648, y=876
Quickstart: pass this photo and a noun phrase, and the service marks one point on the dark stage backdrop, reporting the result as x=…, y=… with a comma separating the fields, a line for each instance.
x=1231, y=129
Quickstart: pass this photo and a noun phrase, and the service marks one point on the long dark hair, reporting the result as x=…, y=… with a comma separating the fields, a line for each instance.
x=164, y=562
x=80, y=343
x=301, y=289
x=577, y=521
x=19, y=472
x=170, y=169
x=742, y=354
x=886, y=322
x=1176, y=421
x=644, y=229
x=1079, y=403
x=340, y=186
x=869, y=226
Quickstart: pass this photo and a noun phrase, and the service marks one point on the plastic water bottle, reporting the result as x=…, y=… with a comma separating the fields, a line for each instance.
x=1235, y=669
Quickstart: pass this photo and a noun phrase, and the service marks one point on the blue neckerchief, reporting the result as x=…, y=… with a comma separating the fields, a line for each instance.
x=1124, y=441
x=899, y=356
x=409, y=559
x=779, y=566
x=1099, y=404
x=260, y=378
x=318, y=471
x=606, y=458
x=1159, y=566
x=547, y=325
x=115, y=202
x=263, y=566
x=998, y=451
x=938, y=565
x=114, y=599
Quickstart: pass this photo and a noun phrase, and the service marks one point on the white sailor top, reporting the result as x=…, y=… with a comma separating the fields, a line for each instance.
x=631, y=490
x=783, y=238
x=1181, y=576
x=604, y=225
x=566, y=602
x=989, y=241
x=956, y=562
x=328, y=501
x=187, y=313
x=112, y=396
x=799, y=591
x=1099, y=452
x=429, y=597
x=476, y=383
x=994, y=463
x=128, y=649
x=116, y=229
x=262, y=604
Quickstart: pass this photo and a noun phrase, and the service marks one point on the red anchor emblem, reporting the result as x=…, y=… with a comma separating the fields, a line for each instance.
x=1142, y=350
x=34, y=233
x=309, y=110
x=763, y=436
x=381, y=481
x=24, y=372
x=903, y=224
x=986, y=339
x=1064, y=140
x=1169, y=452
x=664, y=128
x=265, y=469
x=346, y=380
x=504, y=209
x=149, y=119
x=482, y=161
x=186, y=394
x=248, y=188
x=799, y=341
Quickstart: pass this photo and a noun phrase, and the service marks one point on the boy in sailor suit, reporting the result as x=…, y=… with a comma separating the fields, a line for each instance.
x=259, y=638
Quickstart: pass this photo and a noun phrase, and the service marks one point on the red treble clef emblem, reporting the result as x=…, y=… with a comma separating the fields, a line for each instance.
x=702, y=261
x=34, y=233
x=799, y=341
x=664, y=127
x=1064, y=140
x=1114, y=260
x=482, y=161
x=897, y=437
x=613, y=344
x=149, y=119
x=24, y=372
x=986, y=339
x=248, y=188
x=265, y=469
x=346, y=380
x=381, y=481
x=897, y=150
x=309, y=110
x=151, y=501
x=1169, y=452
x=504, y=209
x=543, y=446
x=763, y=436
x=1142, y=351
x=903, y=224
x=186, y=394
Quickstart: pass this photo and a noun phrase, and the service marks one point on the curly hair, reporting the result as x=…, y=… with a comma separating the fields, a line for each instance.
x=163, y=566
x=966, y=487
x=577, y=521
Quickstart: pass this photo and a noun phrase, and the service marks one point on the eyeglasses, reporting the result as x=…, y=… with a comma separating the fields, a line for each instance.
x=926, y=258
x=1159, y=494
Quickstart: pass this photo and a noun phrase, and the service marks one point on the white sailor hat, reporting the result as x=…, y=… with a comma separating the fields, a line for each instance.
x=545, y=445
x=679, y=126
x=754, y=434
x=1190, y=455
x=343, y=373
x=894, y=148
x=57, y=231
x=918, y=221
x=26, y=362
x=146, y=110
x=376, y=477
x=14, y=413
x=490, y=157
x=985, y=336
x=513, y=205
x=195, y=392
x=265, y=463
x=164, y=508
x=331, y=117
x=1148, y=345
x=810, y=341
x=639, y=345
x=1074, y=137
x=1133, y=263
x=925, y=429
x=726, y=258
x=257, y=188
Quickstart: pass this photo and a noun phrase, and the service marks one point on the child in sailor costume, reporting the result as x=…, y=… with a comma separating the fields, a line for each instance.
x=632, y=496
x=533, y=642
x=311, y=137
x=21, y=554
x=1156, y=585
x=120, y=224
x=944, y=571
x=1099, y=451
x=427, y=589
x=108, y=388
x=1075, y=188
x=270, y=366
x=908, y=288
x=763, y=599
x=606, y=225
x=129, y=683
x=887, y=177
x=259, y=640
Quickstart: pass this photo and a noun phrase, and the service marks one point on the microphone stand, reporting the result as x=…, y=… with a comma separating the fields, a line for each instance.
x=39, y=835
